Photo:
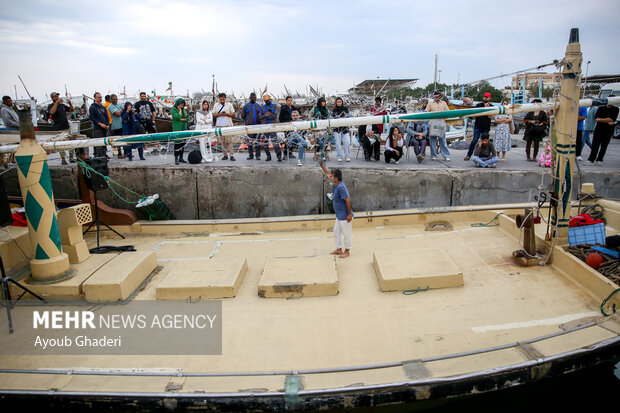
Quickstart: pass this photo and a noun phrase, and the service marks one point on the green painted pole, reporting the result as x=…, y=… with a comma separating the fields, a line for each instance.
x=49, y=262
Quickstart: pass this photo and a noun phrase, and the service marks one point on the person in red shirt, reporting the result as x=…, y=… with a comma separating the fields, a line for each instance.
x=378, y=110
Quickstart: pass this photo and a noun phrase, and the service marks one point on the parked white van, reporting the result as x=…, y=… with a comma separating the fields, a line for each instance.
x=609, y=89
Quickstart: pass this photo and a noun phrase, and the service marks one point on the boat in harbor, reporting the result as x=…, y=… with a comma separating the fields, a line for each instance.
x=433, y=304
x=306, y=330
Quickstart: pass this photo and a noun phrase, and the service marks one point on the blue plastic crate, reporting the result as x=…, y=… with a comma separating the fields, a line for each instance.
x=588, y=234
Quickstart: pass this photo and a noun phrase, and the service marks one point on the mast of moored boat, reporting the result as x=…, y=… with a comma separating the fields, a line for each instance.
x=564, y=140
x=49, y=262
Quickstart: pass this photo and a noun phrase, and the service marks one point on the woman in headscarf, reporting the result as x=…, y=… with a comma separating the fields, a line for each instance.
x=320, y=111
x=179, y=123
x=394, y=145
x=535, y=130
x=343, y=138
x=204, y=121
x=130, y=127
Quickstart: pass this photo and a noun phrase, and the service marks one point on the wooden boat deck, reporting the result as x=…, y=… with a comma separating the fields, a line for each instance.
x=504, y=316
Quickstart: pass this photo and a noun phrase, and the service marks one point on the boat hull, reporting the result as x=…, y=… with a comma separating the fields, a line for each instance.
x=414, y=395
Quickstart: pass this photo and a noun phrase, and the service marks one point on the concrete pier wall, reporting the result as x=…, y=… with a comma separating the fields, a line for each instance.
x=240, y=192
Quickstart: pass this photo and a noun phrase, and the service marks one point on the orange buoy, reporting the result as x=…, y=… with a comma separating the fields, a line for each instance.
x=594, y=260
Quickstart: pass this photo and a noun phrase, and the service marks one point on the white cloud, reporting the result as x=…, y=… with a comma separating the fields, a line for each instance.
x=143, y=45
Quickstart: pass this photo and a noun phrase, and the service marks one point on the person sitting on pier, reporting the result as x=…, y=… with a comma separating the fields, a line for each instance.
x=417, y=132
x=485, y=154
x=298, y=139
x=320, y=111
x=370, y=139
x=394, y=145
x=482, y=124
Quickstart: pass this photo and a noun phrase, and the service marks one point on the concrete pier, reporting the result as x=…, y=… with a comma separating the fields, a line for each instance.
x=250, y=188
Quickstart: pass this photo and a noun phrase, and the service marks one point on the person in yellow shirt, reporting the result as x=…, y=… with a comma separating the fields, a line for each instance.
x=108, y=102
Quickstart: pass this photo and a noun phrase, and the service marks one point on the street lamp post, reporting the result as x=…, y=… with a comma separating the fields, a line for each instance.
x=585, y=79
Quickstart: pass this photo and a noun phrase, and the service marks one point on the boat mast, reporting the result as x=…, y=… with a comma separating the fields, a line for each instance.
x=565, y=137
x=435, y=77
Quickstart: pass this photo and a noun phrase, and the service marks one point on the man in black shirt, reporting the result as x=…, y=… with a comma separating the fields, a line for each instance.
x=98, y=115
x=286, y=111
x=605, y=119
x=146, y=110
x=58, y=111
x=482, y=124
x=286, y=115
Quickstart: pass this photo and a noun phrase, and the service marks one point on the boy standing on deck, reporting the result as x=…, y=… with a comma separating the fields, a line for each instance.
x=343, y=227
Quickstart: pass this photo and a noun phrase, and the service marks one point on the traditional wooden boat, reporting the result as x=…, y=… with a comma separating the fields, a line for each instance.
x=403, y=319
x=163, y=124
x=86, y=127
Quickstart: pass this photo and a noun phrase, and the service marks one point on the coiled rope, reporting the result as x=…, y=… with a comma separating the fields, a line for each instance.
x=88, y=171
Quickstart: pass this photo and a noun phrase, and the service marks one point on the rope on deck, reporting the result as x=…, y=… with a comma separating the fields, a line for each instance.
x=492, y=223
x=88, y=170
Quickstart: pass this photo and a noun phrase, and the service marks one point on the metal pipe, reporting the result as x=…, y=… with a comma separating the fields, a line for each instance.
x=373, y=214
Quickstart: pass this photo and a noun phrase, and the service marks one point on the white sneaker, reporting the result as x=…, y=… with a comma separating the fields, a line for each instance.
x=447, y=159
x=598, y=163
x=299, y=163
x=433, y=158
x=339, y=159
x=348, y=159
x=579, y=158
x=588, y=163
x=396, y=162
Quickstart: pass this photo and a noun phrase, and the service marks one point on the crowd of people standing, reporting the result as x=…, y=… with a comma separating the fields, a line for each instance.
x=109, y=117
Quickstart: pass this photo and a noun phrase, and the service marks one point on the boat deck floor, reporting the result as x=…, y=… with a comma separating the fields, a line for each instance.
x=499, y=304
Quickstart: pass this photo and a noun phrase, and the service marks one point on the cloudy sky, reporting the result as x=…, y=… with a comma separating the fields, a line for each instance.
x=142, y=45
